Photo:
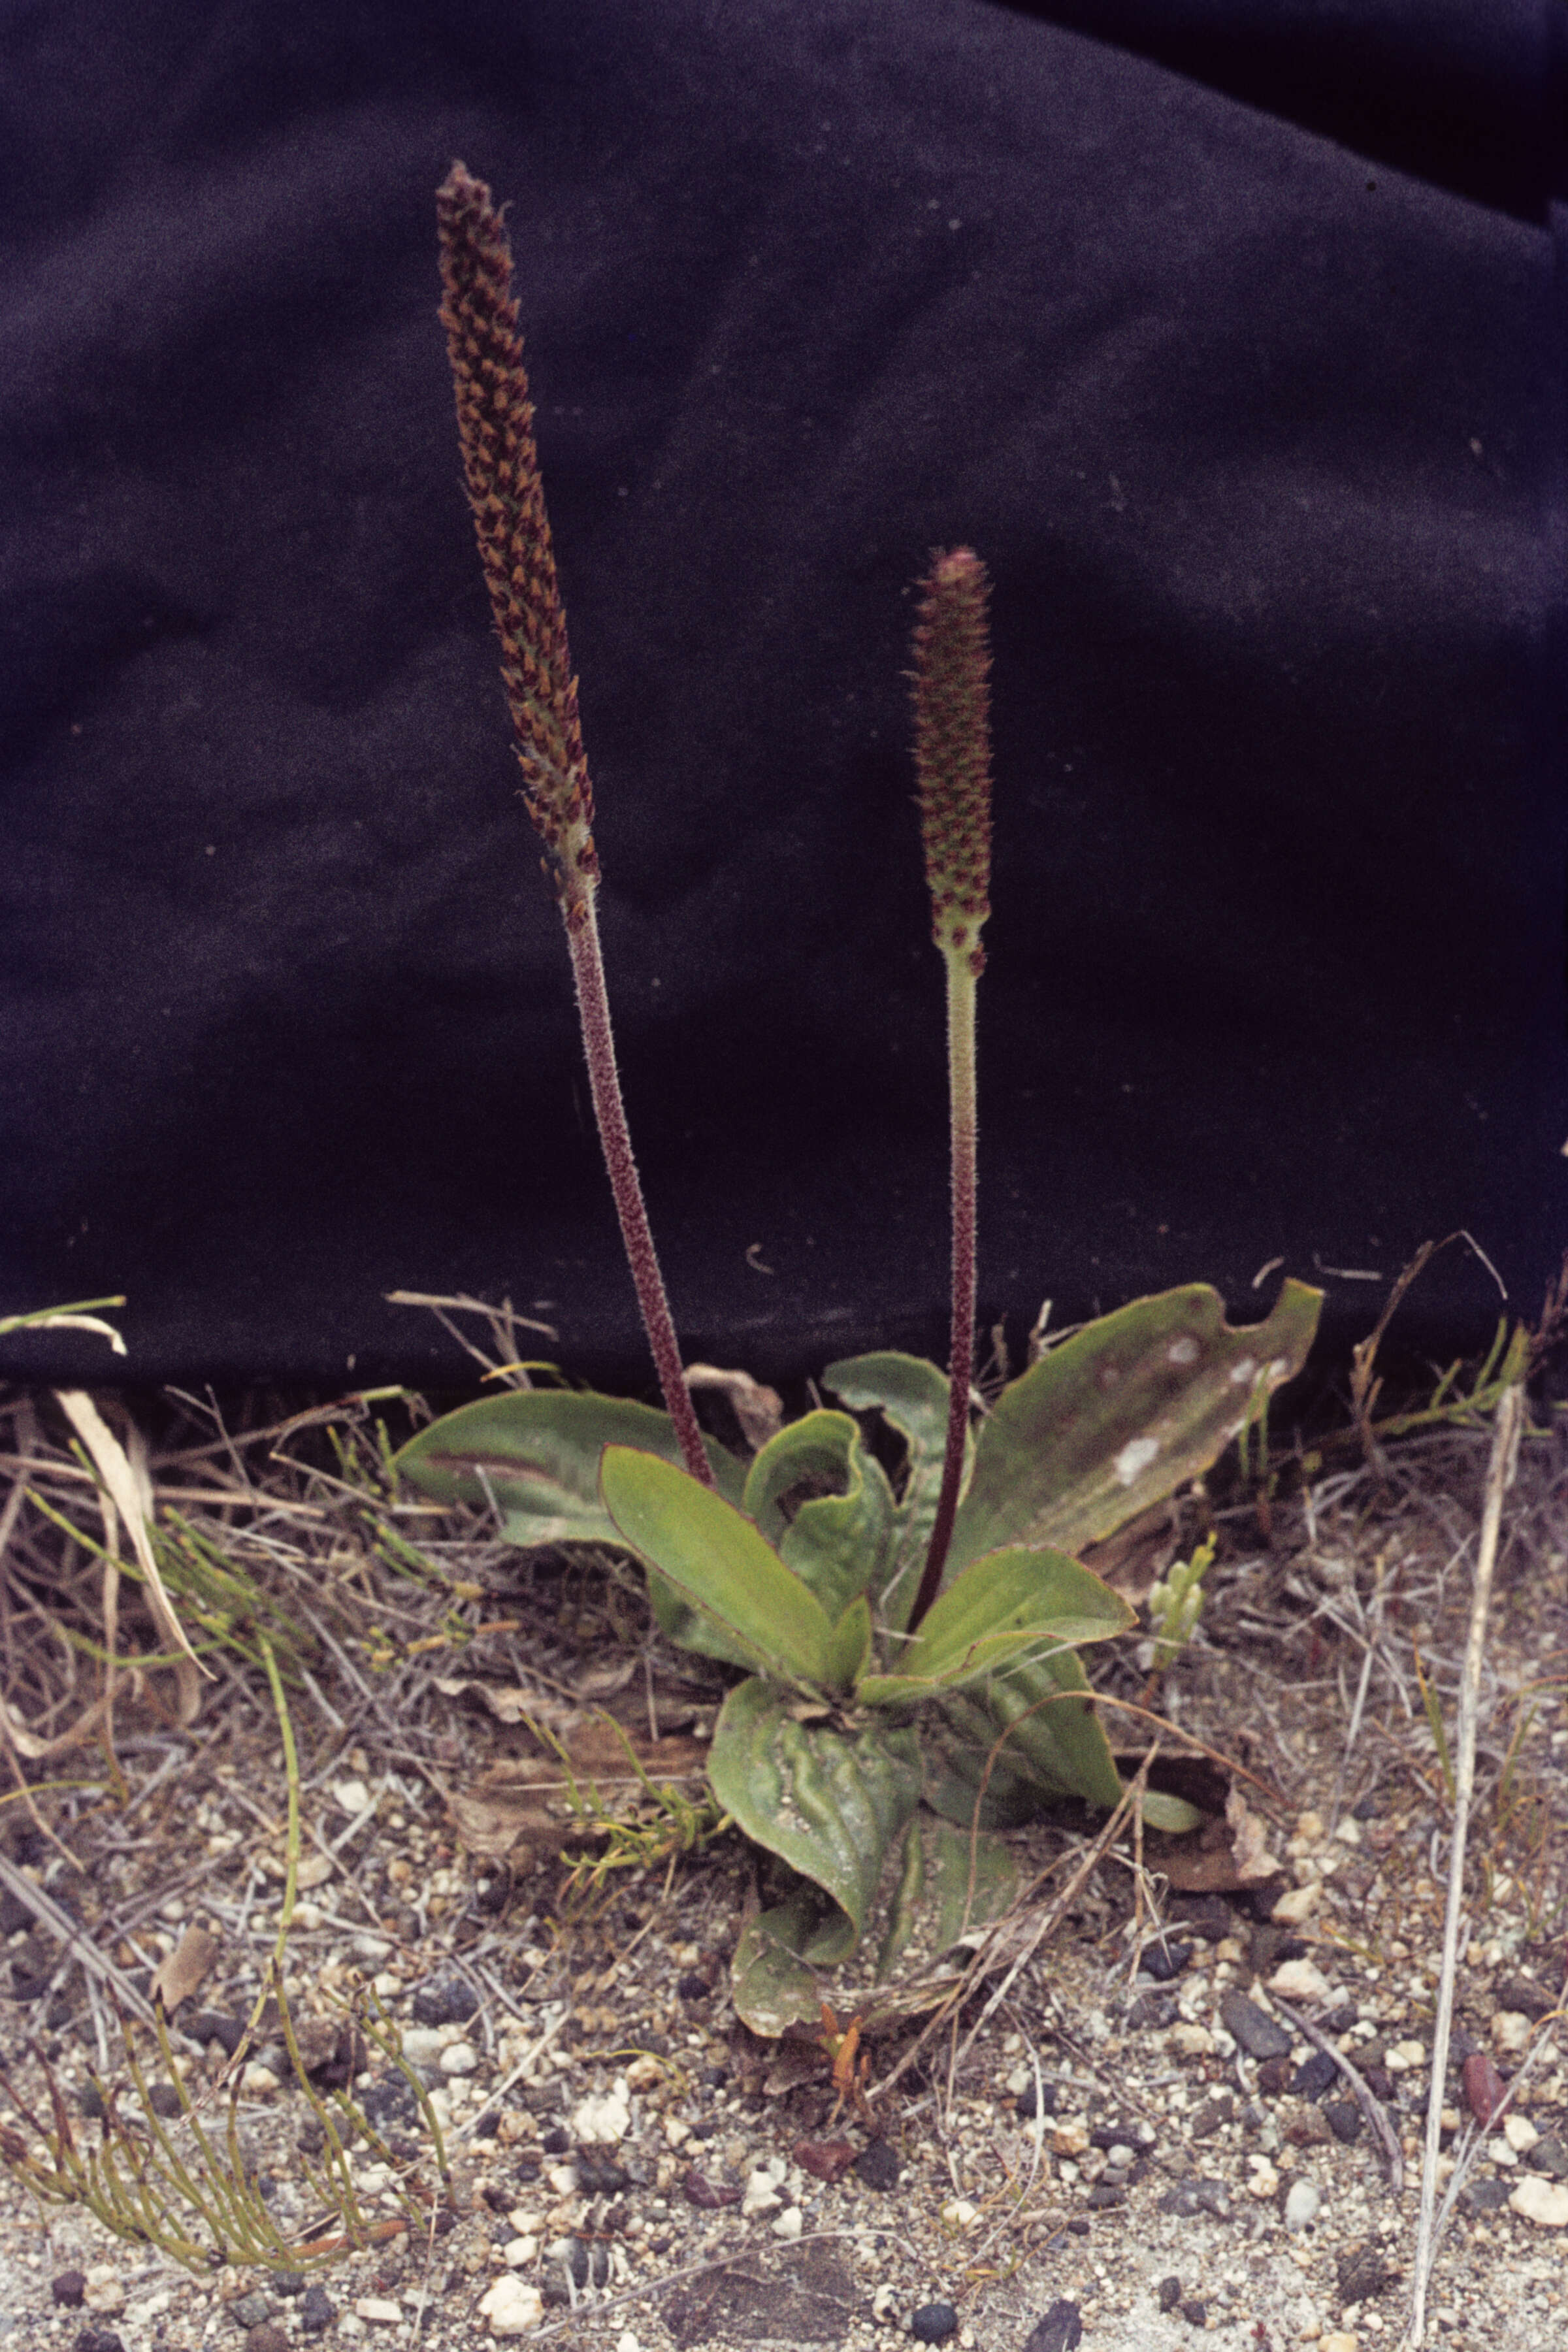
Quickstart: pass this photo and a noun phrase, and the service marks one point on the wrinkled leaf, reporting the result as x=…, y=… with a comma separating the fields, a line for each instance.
x=719, y=1565
x=773, y=1986
x=950, y=1882
x=912, y=1396
x=838, y=1544
x=1002, y=1603
x=1116, y=1418
x=534, y=1452
x=830, y=1804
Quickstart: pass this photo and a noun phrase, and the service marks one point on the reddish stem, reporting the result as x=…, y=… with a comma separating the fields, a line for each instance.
x=609, y=1110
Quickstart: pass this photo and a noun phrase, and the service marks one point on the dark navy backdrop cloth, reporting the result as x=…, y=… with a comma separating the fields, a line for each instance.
x=1224, y=333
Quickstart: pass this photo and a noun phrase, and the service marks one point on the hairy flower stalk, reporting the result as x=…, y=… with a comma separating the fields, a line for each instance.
x=495, y=425
x=952, y=762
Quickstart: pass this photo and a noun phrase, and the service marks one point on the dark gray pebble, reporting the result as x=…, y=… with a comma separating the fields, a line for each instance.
x=1486, y=2196
x=693, y=1987
x=1061, y=2330
x=555, y=2142
x=1028, y=2102
x=268, y=2337
x=1168, y=2294
x=165, y=2100
x=1163, y=1960
x=98, y=2339
x=1196, y=2313
x=444, y=2000
x=1549, y=2156
x=250, y=2311
x=286, y=2283
x=69, y=2289
x=1258, y=2036
x=213, y=2025
x=1207, y=1917
x=877, y=2166
x=1103, y=2198
x=934, y=2323
x=317, y=2310
x=1345, y=2119
x=1314, y=2076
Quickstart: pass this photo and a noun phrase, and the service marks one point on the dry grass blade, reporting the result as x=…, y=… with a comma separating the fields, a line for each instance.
x=127, y=1491
x=1500, y=1474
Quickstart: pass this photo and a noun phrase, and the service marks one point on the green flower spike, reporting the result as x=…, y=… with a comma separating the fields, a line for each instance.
x=952, y=762
x=495, y=426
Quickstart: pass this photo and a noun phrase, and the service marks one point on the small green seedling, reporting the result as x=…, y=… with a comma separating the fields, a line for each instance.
x=909, y=1642
x=1177, y=1603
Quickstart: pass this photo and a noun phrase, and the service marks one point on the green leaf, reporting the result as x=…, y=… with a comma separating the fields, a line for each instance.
x=1119, y=1416
x=851, y=1645
x=534, y=1452
x=719, y=1565
x=1028, y=1738
x=1004, y=1602
x=1162, y=1811
x=838, y=1544
x=911, y=1395
x=830, y=1802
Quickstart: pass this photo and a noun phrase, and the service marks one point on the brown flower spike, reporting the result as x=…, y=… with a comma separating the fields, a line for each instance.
x=495, y=426
x=953, y=763
x=953, y=748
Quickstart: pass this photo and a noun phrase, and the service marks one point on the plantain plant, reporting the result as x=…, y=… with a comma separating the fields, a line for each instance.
x=908, y=1640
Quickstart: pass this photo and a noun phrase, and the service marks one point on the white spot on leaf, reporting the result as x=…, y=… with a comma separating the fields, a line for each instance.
x=1184, y=1350
x=1238, y=1373
x=1135, y=1455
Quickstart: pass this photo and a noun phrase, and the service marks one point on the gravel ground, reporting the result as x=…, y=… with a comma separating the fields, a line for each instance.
x=1139, y=2144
